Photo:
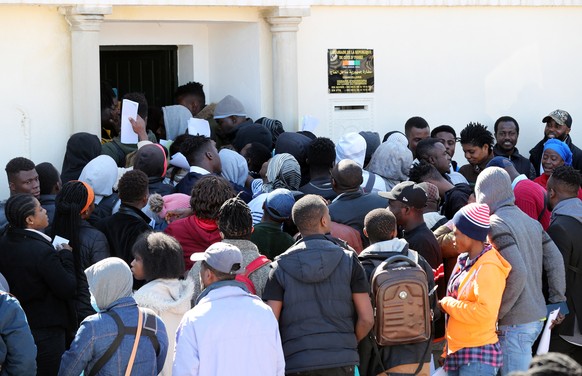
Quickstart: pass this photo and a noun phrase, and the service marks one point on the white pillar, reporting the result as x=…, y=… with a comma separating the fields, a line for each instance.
x=284, y=25
x=85, y=22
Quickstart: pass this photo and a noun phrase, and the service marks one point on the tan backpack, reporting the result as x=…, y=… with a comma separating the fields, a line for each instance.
x=401, y=301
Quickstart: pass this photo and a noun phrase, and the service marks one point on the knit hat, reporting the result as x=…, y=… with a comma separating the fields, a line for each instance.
x=229, y=106
x=473, y=221
x=223, y=257
x=295, y=144
x=351, y=146
x=249, y=133
x=500, y=162
x=561, y=148
x=151, y=159
x=279, y=203
x=274, y=126
x=493, y=187
x=109, y=280
x=174, y=201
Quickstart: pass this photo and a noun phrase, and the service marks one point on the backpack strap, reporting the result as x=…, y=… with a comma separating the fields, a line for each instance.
x=114, y=345
x=256, y=264
x=150, y=329
x=370, y=182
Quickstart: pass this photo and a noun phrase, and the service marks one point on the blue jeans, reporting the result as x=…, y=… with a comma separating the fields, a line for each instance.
x=516, y=342
x=474, y=369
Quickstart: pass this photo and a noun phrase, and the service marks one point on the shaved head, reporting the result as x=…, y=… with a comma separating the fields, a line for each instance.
x=347, y=175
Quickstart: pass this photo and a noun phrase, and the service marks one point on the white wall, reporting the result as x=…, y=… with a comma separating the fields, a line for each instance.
x=35, y=89
x=448, y=64
x=235, y=61
x=451, y=65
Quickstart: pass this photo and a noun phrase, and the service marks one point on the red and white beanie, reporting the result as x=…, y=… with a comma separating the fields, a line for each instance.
x=473, y=221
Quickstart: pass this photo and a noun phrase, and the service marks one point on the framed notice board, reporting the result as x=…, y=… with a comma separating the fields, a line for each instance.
x=350, y=70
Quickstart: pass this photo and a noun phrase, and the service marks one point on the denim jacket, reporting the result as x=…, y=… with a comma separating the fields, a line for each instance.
x=97, y=333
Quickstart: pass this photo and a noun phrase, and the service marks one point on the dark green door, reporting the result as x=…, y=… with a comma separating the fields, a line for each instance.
x=152, y=70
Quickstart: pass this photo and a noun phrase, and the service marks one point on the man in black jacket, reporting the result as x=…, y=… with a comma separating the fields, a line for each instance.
x=558, y=125
x=506, y=132
x=124, y=227
x=318, y=291
x=565, y=227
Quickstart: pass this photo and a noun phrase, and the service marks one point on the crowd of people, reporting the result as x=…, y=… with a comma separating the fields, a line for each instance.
x=256, y=250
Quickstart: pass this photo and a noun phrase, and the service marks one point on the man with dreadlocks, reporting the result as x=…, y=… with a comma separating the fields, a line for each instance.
x=236, y=225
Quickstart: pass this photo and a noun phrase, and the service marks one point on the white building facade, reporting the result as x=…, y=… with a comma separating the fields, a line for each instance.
x=449, y=61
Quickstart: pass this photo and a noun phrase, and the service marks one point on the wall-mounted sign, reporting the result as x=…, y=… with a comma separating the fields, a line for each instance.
x=350, y=71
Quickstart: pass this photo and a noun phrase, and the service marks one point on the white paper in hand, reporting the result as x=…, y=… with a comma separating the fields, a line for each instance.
x=198, y=127
x=59, y=240
x=544, y=345
x=128, y=110
x=179, y=160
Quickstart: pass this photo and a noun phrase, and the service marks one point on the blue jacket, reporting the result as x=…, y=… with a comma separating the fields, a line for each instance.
x=17, y=348
x=97, y=333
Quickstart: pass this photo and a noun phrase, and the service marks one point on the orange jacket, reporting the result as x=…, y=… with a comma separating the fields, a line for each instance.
x=473, y=315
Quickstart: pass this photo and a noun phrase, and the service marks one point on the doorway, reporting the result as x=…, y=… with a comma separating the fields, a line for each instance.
x=152, y=70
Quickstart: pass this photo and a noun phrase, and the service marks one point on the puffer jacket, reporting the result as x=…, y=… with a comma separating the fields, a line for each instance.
x=94, y=245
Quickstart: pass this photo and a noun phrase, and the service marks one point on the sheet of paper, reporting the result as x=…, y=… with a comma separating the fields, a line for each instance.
x=309, y=123
x=198, y=127
x=128, y=110
x=166, y=143
x=59, y=240
x=179, y=160
x=544, y=345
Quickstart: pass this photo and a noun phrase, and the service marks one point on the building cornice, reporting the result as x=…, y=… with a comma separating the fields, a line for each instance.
x=304, y=3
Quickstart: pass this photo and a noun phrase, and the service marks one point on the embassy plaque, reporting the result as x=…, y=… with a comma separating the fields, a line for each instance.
x=350, y=71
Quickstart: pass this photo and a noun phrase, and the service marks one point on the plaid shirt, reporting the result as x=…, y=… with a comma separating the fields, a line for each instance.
x=488, y=354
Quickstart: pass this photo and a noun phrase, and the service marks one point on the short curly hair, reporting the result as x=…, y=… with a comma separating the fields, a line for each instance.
x=321, y=153
x=15, y=165
x=477, y=134
x=161, y=254
x=208, y=195
x=133, y=186
x=380, y=225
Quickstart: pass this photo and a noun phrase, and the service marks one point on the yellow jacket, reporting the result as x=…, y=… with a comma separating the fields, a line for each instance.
x=473, y=315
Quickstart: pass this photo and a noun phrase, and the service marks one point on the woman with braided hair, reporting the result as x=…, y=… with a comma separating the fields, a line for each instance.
x=43, y=280
x=73, y=206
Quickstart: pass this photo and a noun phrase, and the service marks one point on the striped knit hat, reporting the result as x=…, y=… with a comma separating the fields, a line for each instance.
x=473, y=221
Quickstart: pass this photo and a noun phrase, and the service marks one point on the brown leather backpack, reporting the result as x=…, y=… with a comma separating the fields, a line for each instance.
x=401, y=300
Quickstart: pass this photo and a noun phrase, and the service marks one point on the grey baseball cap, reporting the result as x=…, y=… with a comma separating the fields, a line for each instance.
x=223, y=257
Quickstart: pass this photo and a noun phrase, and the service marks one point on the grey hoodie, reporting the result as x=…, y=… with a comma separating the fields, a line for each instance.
x=522, y=241
x=109, y=280
x=571, y=207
